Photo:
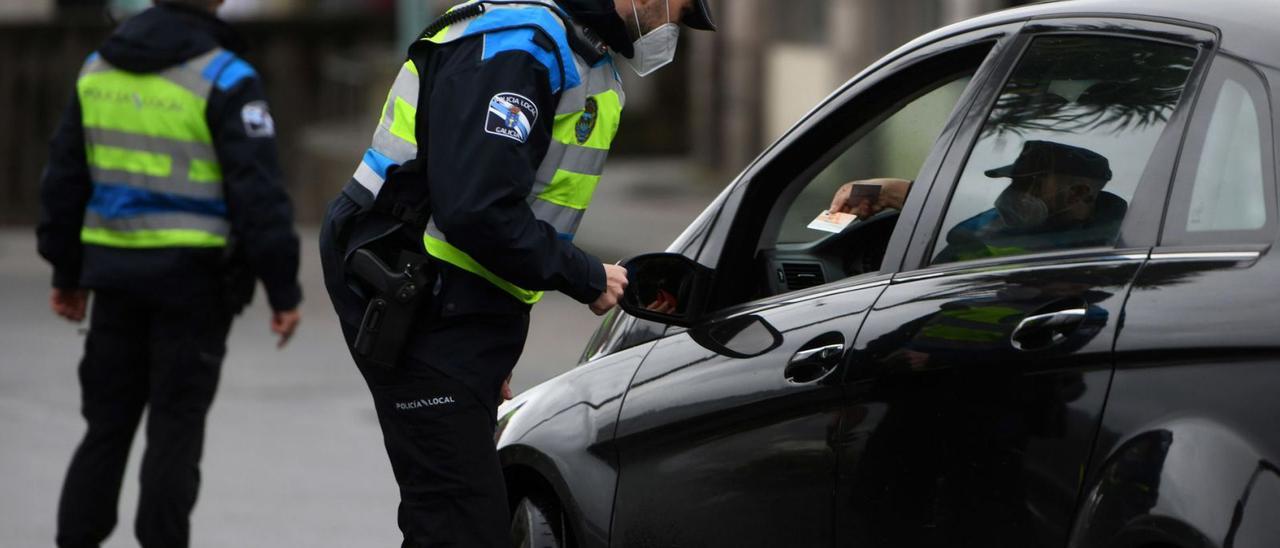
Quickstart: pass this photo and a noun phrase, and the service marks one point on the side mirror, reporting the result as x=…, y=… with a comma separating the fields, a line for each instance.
x=666, y=288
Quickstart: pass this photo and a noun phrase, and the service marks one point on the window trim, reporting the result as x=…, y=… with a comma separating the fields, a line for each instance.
x=728, y=239
x=720, y=218
x=1174, y=233
x=721, y=233
x=1142, y=223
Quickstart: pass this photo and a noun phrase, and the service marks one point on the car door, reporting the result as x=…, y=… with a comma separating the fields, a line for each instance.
x=724, y=436
x=1188, y=447
x=977, y=381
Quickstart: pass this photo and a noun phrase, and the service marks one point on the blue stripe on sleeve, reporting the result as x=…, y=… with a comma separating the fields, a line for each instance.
x=521, y=39
x=378, y=162
x=226, y=70
x=236, y=72
x=113, y=201
x=219, y=62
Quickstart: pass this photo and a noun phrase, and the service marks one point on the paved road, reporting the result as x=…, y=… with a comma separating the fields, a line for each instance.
x=293, y=456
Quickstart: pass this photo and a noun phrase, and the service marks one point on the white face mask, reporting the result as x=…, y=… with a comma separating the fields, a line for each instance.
x=656, y=49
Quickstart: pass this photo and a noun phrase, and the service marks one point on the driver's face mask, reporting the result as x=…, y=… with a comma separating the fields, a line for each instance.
x=1020, y=206
x=1024, y=206
x=656, y=49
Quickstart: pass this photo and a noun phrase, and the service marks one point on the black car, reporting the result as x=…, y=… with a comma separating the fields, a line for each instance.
x=1068, y=334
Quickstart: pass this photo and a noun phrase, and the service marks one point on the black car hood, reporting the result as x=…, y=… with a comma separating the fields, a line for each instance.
x=167, y=35
x=601, y=17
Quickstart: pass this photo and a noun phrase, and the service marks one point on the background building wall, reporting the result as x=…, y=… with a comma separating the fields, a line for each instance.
x=325, y=78
x=779, y=59
x=327, y=65
x=26, y=9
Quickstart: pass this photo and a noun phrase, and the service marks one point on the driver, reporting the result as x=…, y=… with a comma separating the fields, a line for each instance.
x=1054, y=200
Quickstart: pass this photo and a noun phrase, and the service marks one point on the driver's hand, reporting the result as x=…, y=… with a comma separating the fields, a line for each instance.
x=893, y=194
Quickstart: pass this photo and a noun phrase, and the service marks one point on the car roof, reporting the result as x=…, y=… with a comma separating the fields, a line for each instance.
x=1248, y=27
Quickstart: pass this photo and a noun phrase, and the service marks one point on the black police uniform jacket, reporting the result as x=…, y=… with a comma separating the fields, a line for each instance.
x=258, y=208
x=479, y=184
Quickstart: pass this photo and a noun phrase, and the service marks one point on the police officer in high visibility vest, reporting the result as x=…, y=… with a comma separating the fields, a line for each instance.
x=503, y=115
x=163, y=197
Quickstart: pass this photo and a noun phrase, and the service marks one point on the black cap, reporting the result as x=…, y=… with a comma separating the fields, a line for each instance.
x=700, y=17
x=1047, y=156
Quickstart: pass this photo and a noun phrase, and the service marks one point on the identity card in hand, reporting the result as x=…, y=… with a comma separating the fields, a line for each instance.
x=832, y=222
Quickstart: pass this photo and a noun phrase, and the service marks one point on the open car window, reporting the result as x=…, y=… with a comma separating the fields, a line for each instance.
x=890, y=131
x=895, y=148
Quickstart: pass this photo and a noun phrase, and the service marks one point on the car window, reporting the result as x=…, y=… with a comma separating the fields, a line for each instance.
x=886, y=123
x=894, y=148
x=1224, y=191
x=1063, y=149
x=1227, y=190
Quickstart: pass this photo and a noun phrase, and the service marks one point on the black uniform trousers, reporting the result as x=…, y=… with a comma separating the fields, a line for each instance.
x=143, y=354
x=437, y=410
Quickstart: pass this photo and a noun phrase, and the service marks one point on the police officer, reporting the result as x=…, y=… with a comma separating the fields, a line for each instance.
x=504, y=112
x=162, y=196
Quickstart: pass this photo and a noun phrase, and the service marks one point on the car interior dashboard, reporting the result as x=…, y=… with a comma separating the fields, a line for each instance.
x=856, y=250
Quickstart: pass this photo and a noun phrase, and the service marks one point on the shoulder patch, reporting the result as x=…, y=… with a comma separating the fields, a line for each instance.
x=511, y=115
x=257, y=120
x=587, y=122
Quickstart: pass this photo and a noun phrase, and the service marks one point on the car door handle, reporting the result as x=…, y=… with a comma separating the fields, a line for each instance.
x=820, y=353
x=1045, y=330
x=812, y=364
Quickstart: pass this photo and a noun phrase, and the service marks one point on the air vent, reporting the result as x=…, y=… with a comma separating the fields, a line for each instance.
x=802, y=275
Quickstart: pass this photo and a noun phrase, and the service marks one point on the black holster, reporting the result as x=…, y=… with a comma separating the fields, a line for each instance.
x=389, y=266
x=400, y=294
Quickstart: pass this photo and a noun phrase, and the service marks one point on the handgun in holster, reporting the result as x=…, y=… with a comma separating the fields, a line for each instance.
x=399, y=291
x=392, y=227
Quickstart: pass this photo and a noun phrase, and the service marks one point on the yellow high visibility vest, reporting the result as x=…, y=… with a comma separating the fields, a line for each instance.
x=586, y=121
x=156, y=178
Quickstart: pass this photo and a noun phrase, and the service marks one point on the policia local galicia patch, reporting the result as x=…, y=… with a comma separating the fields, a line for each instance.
x=257, y=120
x=511, y=116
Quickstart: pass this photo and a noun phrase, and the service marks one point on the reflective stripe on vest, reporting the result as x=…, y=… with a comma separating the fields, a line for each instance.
x=156, y=177
x=586, y=121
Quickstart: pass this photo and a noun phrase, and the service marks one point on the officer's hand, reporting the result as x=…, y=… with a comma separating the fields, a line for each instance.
x=893, y=194
x=69, y=303
x=284, y=323
x=616, y=283
x=506, y=394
